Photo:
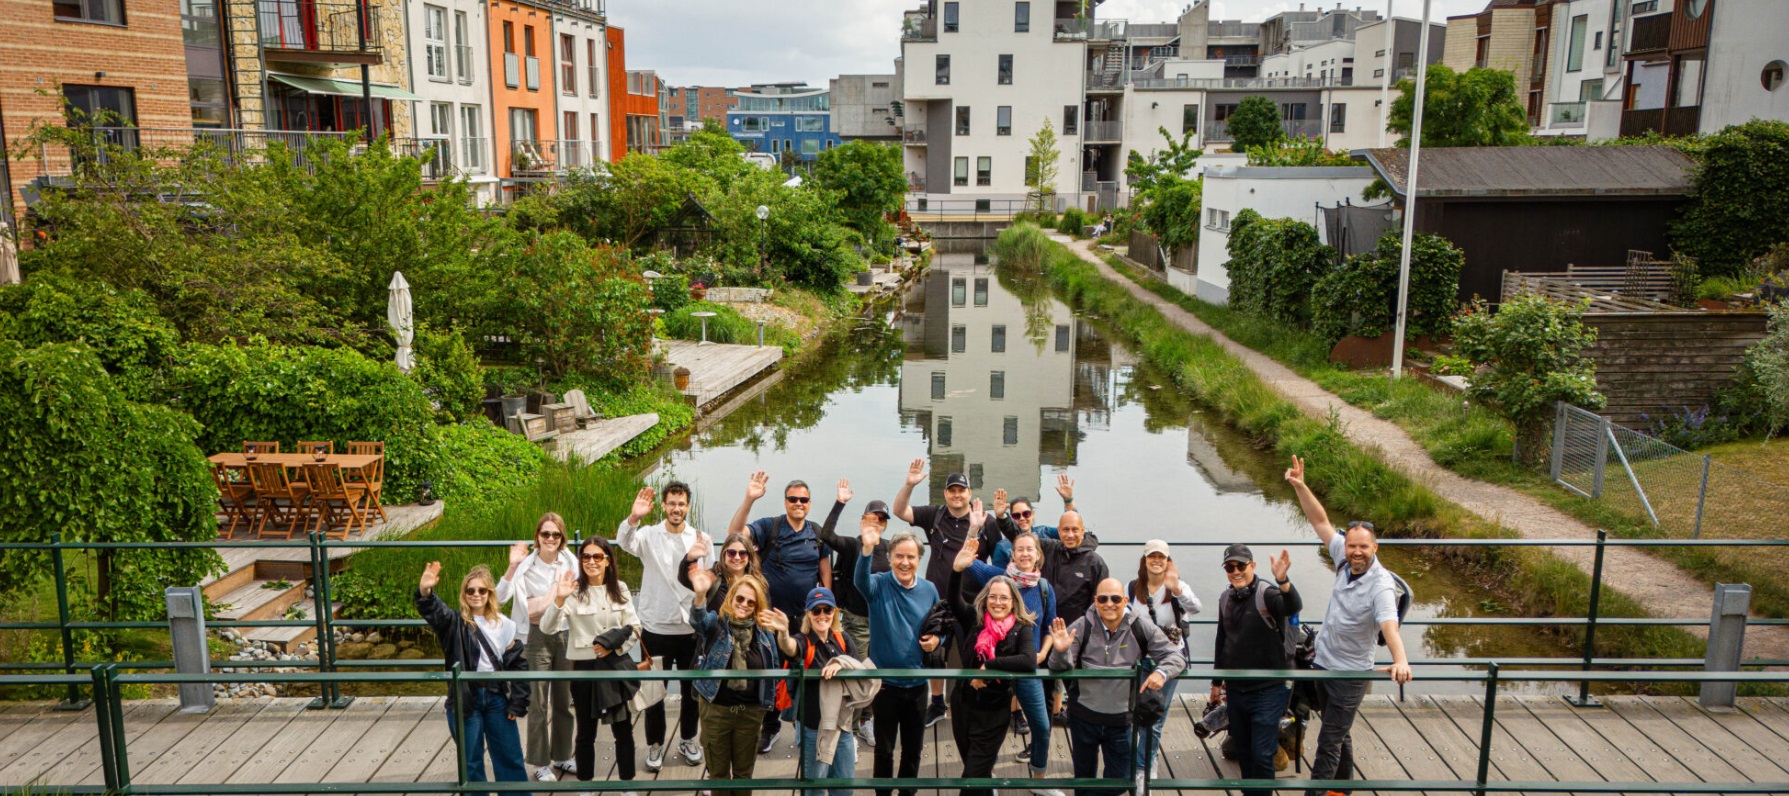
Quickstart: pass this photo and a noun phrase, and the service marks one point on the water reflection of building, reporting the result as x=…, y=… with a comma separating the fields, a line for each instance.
x=991, y=384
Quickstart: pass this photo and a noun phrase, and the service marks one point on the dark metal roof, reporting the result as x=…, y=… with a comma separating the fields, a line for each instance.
x=1539, y=171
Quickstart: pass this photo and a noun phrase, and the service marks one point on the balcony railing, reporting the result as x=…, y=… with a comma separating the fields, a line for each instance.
x=1153, y=30
x=1089, y=29
x=1102, y=132
x=913, y=137
x=548, y=157
x=920, y=29
x=303, y=30
x=436, y=155
x=1650, y=34
x=1566, y=114
x=1232, y=30
x=1679, y=121
x=1241, y=60
x=168, y=145
x=1158, y=83
x=1102, y=81
x=1295, y=128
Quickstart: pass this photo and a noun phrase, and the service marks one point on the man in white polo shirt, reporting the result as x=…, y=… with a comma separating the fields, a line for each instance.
x=1363, y=605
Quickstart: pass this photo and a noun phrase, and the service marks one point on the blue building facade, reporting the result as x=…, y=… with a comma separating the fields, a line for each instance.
x=793, y=118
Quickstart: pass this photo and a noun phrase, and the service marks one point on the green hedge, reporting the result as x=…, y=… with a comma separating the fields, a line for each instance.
x=121, y=327
x=1361, y=295
x=1274, y=265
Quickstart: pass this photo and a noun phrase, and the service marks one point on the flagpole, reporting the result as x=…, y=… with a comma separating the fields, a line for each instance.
x=1416, y=145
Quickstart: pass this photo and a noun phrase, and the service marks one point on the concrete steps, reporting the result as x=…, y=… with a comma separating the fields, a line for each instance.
x=259, y=599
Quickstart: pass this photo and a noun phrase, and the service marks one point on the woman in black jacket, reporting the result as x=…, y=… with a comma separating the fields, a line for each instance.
x=995, y=632
x=481, y=639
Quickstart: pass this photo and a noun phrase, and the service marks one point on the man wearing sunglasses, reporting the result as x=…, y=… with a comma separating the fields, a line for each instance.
x=1250, y=636
x=946, y=528
x=790, y=556
x=1363, y=606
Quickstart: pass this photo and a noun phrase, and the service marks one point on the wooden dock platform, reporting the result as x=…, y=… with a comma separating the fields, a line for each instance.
x=405, y=739
x=588, y=445
x=717, y=368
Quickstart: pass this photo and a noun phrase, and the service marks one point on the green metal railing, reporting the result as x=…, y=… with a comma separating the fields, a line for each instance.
x=107, y=684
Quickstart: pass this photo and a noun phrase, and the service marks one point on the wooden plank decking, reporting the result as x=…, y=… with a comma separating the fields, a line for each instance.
x=401, y=520
x=588, y=445
x=404, y=739
x=716, y=368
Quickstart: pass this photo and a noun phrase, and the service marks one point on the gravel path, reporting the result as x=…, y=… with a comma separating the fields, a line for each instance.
x=1659, y=585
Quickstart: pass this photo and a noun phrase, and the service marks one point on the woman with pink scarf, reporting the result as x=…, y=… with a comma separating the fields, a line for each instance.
x=996, y=632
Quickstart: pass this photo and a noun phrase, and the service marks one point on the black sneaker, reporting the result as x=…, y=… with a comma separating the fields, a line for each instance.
x=935, y=713
x=1020, y=725
x=767, y=738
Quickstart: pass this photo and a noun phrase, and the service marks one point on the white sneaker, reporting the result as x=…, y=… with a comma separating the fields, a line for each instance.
x=545, y=774
x=1035, y=774
x=566, y=767
x=691, y=751
x=655, y=757
x=866, y=734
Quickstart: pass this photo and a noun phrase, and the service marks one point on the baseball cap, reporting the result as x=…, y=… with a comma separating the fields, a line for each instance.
x=956, y=479
x=878, y=507
x=1156, y=546
x=820, y=596
x=1239, y=552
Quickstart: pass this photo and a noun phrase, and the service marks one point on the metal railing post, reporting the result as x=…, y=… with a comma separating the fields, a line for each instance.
x=323, y=639
x=1702, y=497
x=459, y=726
x=324, y=602
x=801, y=769
x=1484, y=735
x=1584, y=699
x=1602, y=458
x=108, y=756
x=73, y=700
x=115, y=704
x=1726, y=642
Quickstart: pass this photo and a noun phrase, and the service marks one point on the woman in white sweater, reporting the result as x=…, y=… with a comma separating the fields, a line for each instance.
x=528, y=588
x=601, y=627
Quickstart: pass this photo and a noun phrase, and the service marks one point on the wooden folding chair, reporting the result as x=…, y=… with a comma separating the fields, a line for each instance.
x=272, y=489
x=333, y=499
x=311, y=446
x=235, y=499
x=260, y=447
x=372, y=476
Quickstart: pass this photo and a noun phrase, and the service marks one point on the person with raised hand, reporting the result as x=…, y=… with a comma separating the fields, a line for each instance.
x=946, y=528
x=479, y=638
x=819, y=646
x=1029, y=712
x=528, y=588
x=790, y=553
x=899, y=601
x=665, y=550
x=1252, y=618
x=854, y=609
x=1159, y=594
x=1021, y=515
x=601, y=626
x=746, y=634
x=995, y=632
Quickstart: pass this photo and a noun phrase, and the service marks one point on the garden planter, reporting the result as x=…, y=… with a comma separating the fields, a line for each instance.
x=865, y=278
x=698, y=292
x=514, y=404
x=681, y=377
x=1714, y=305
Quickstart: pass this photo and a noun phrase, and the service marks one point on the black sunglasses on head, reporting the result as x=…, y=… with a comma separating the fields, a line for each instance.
x=1362, y=524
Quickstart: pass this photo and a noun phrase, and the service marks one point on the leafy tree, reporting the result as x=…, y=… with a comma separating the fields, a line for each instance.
x=120, y=326
x=1478, y=107
x=1274, y=264
x=1361, y=296
x=1174, y=159
x=1524, y=358
x=1043, y=166
x=806, y=238
x=574, y=308
x=1255, y=123
x=1739, y=205
x=868, y=180
x=1173, y=212
x=449, y=373
x=713, y=155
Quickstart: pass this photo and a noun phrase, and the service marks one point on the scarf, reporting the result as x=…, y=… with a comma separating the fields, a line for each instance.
x=1026, y=580
x=744, y=634
x=992, y=631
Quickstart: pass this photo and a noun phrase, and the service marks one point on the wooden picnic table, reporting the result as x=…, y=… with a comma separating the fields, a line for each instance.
x=348, y=461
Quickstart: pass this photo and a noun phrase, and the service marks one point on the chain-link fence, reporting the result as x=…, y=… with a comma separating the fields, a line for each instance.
x=1681, y=493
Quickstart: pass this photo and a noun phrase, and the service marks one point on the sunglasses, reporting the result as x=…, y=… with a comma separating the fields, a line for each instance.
x=746, y=601
x=1109, y=599
x=551, y=535
x=1021, y=515
x=594, y=557
x=821, y=610
x=738, y=553
x=796, y=499
x=477, y=591
x=1233, y=566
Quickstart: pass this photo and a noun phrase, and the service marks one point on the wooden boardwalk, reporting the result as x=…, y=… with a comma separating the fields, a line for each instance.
x=716, y=368
x=404, y=739
x=588, y=445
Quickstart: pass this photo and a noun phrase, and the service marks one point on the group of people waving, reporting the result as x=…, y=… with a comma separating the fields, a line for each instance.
x=1000, y=593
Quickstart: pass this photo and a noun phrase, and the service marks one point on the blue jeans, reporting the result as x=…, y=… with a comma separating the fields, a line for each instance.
x=1255, y=723
x=1037, y=714
x=489, y=727
x=844, y=762
x=1088, y=742
x=1151, y=745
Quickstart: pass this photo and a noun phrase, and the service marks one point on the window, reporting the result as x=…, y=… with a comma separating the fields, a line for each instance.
x=1599, y=41
x=472, y=143
x=1004, y=76
x=1189, y=119
x=434, y=42
x=210, y=101
x=810, y=124
x=521, y=124
x=984, y=171
x=1338, y=117
x=757, y=124
x=975, y=476
x=512, y=68
x=1003, y=120
x=959, y=339
x=462, y=48
x=110, y=12
x=959, y=288
x=590, y=65
x=943, y=66
x=570, y=126
x=1772, y=76
x=962, y=120
x=810, y=146
x=878, y=84
x=568, y=64
x=1292, y=111
x=530, y=62
x=1062, y=337
x=1590, y=90
x=1378, y=53
x=1009, y=431
x=1071, y=119
x=937, y=385
x=1021, y=17
x=960, y=175
x=950, y=17
x=596, y=134
x=997, y=385
x=101, y=106
x=1222, y=111
x=1574, y=56
x=944, y=424
x=981, y=291
x=441, y=119
x=997, y=339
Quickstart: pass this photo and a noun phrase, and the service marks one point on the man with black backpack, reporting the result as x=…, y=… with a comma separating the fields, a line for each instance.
x=1368, y=601
x=1253, y=633
x=1100, y=712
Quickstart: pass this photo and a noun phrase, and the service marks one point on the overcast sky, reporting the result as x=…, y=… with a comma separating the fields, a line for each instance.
x=734, y=43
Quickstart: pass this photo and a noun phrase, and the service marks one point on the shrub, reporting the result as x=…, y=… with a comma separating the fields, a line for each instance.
x=1297, y=152
x=1526, y=357
x=727, y=326
x=575, y=308
x=670, y=292
x=121, y=327
x=482, y=464
x=1073, y=222
x=1022, y=246
x=1255, y=123
x=1691, y=428
x=1274, y=264
x=1768, y=360
x=449, y=374
x=1739, y=205
x=1361, y=296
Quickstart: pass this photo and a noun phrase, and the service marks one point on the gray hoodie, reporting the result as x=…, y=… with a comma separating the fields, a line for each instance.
x=1094, y=647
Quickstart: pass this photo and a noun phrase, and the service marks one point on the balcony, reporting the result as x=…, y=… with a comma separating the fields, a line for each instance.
x=913, y=137
x=1650, y=34
x=169, y=145
x=1170, y=83
x=1107, y=82
x=544, y=158
x=301, y=31
x=1565, y=115
x=1241, y=60
x=1665, y=121
x=919, y=29
x=1295, y=128
x=1089, y=30
x=435, y=154
x=1102, y=132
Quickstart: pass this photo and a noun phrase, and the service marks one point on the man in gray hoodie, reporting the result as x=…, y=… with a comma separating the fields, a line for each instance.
x=1109, y=636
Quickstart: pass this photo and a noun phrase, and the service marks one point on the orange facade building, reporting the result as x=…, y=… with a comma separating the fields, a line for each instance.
x=633, y=102
x=522, y=90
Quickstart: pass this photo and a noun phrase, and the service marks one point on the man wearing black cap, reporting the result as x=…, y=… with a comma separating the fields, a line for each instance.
x=854, y=609
x=1252, y=616
x=946, y=528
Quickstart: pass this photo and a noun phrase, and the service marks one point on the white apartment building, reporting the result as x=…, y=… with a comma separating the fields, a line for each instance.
x=1293, y=193
x=1581, y=71
x=1748, y=57
x=451, y=73
x=580, y=53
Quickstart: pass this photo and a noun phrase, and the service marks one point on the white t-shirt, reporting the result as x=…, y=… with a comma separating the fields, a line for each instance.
x=500, y=634
x=664, y=603
x=533, y=586
x=1356, y=607
x=1163, y=611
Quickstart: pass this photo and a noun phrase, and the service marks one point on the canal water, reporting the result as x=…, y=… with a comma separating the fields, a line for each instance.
x=980, y=373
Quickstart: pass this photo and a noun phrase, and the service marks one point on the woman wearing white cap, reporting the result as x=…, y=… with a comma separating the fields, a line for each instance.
x=1160, y=594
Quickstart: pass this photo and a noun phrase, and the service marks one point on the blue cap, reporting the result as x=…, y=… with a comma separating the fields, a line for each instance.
x=821, y=596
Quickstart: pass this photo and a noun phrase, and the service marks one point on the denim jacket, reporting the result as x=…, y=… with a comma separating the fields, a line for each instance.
x=718, y=648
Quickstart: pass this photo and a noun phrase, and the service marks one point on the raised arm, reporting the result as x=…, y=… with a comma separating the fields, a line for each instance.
x=506, y=585
x=828, y=530
x=916, y=472
x=754, y=489
x=1307, y=500
x=440, y=617
x=961, y=607
x=627, y=536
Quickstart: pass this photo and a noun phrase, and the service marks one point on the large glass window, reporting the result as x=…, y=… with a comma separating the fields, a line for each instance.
x=521, y=124
x=1003, y=120
x=107, y=11
x=943, y=69
x=1004, y=76
x=1574, y=56
x=810, y=124
x=434, y=42
x=1021, y=17
x=101, y=106
x=472, y=143
x=810, y=146
x=962, y=120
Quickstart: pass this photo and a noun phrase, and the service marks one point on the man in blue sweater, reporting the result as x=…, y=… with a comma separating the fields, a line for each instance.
x=898, y=601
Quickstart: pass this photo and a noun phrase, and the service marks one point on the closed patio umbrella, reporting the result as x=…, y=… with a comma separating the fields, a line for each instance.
x=402, y=320
x=9, y=258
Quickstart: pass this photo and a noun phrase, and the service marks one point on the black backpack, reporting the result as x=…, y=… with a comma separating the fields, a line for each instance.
x=1292, y=634
x=1401, y=589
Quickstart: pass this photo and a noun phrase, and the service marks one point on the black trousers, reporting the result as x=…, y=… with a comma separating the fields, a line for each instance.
x=900, y=715
x=583, y=703
x=979, y=723
x=677, y=652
